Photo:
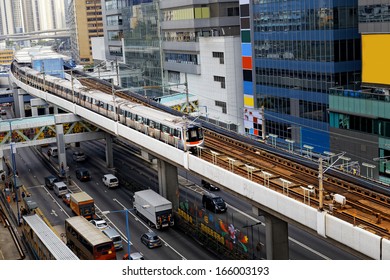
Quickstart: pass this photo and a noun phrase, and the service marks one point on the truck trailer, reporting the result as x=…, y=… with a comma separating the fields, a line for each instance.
x=82, y=205
x=156, y=209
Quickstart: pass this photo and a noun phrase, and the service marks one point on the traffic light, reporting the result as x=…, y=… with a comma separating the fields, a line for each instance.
x=3, y=177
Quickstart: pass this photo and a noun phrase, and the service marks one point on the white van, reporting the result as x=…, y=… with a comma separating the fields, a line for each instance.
x=60, y=188
x=110, y=181
x=53, y=151
x=115, y=237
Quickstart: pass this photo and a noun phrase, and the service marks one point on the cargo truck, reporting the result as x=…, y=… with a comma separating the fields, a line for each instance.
x=82, y=205
x=156, y=209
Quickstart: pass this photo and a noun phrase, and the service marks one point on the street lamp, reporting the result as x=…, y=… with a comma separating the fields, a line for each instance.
x=251, y=226
x=126, y=211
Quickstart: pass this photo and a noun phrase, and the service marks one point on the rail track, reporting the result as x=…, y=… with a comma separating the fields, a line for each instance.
x=364, y=208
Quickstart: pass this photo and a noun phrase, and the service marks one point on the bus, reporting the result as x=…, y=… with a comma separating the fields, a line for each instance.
x=43, y=242
x=87, y=241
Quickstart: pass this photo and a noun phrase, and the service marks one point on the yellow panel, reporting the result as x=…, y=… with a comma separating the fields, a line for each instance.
x=376, y=58
x=249, y=101
x=206, y=12
x=198, y=12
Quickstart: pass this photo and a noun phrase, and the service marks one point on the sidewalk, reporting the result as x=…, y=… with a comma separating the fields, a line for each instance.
x=10, y=235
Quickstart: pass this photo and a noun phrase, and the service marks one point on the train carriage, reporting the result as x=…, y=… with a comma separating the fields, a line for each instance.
x=173, y=130
x=43, y=242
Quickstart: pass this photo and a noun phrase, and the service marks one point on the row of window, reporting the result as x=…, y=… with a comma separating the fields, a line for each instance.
x=181, y=58
x=114, y=20
x=267, y=20
x=374, y=13
x=307, y=109
x=302, y=80
x=327, y=51
x=115, y=35
x=362, y=124
x=187, y=13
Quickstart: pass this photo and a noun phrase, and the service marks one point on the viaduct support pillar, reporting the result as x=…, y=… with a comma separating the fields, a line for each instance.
x=168, y=182
x=109, y=152
x=19, y=102
x=276, y=236
x=62, y=165
x=35, y=102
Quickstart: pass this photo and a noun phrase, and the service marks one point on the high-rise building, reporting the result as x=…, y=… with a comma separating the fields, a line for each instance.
x=360, y=113
x=201, y=45
x=84, y=21
x=48, y=14
x=113, y=27
x=11, y=17
x=293, y=52
x=23, y=16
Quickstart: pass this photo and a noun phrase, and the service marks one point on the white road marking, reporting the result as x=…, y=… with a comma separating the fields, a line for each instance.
x=166, y=243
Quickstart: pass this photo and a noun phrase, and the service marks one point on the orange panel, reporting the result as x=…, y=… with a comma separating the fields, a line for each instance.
x=247, y=62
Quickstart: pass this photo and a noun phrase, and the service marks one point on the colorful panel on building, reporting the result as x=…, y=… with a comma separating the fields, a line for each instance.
x=375, y=58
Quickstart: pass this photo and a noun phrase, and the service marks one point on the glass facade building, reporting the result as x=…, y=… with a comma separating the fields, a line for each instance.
x=359, y=115
x=142, y=47
x=298, y=51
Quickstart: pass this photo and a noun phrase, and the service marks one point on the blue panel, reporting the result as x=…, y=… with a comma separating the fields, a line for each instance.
x=246, y=49
x=318, y=97
x=320, y=140
x=54, y=66
x=248, y=88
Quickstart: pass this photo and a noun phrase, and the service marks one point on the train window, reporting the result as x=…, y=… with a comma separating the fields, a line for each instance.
x=140, y=119
x=164, y=128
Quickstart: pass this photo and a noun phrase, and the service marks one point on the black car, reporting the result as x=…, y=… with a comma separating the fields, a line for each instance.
x=209, y=186
x=151, y=240
x=83, y=174
x=50, y=180
x=214, y=203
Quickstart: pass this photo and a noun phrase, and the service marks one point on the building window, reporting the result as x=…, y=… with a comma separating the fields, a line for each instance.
x=220, y=56
x=222, y=105
x=233, y=12
x=221, y=80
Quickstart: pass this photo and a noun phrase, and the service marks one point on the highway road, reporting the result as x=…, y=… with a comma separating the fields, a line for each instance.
x=140, y=174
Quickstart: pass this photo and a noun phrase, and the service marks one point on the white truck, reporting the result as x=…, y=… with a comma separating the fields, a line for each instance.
x=156, y=209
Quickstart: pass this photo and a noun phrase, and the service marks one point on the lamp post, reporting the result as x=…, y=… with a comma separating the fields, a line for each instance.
x=251, y=226
x=126, y=211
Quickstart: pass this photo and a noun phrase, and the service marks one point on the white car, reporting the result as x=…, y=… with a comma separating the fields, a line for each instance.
x=110, y=181
x=100, y=224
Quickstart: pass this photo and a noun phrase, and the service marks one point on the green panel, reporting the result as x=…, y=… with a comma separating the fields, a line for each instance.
x=245, y=36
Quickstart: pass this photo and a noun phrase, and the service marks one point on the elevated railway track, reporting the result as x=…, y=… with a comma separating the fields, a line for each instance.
x=365, y=207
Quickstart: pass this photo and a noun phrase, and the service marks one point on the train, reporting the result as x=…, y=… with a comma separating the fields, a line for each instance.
x=174, y=130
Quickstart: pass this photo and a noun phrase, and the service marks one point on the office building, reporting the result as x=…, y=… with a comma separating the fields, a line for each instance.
x=293, y=52
x=360, y=113
x=85, y=22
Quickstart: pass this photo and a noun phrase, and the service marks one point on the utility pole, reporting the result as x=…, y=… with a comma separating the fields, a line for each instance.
x=263, y=123
x=117, y=72
x=187, y=99
x=320, y=186
x=71, y=81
